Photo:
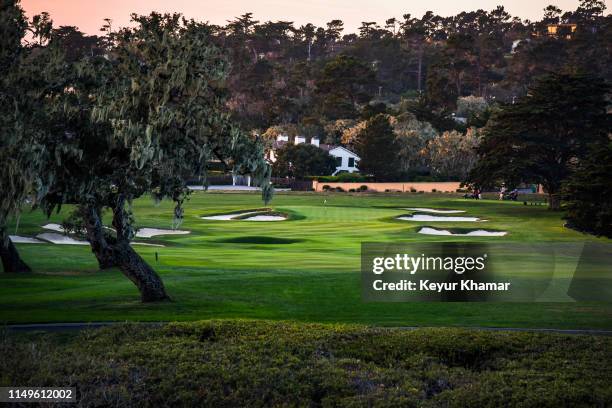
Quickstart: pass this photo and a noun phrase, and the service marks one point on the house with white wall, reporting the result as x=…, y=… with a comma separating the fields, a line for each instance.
x=346, y=160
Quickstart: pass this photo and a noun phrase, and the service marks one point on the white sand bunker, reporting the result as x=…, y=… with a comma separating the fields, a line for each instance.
x=148, y=244
x=249, y=215
x=475, y=233
x=141, y=233
x=434, y=218
x=54, y=227
x=24, y=240
x=60, y=239
x=152, y=232
x=227, y=217
x=265, y=218
x=436, y=211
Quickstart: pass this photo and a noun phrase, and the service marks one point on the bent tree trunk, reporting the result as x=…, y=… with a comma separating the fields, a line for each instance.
x=99, y=241
x=138, y=271
x=11, y=261
x=130, y=263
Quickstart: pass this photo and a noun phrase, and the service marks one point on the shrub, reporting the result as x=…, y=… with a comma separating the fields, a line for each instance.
x=242, y=363
x=325, y=187
x=413, y=190
x=340, y=189
x=343, y=178
x=363, y=188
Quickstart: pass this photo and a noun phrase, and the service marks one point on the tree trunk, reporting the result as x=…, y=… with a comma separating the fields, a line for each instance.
x=138, y=271
x=420, y=68
x=554, y=202
x=99, y=241
x=11, y=261
x=130, y=263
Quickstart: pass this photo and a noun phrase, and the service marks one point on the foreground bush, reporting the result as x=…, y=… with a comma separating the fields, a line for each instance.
x=229, y=363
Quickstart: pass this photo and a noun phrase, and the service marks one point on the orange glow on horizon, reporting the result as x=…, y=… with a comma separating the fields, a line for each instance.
x=89, y=15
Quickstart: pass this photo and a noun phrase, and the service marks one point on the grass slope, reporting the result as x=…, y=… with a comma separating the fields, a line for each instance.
x=305, y=268
x=233, y=363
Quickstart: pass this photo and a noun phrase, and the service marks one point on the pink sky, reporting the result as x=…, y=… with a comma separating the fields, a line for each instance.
x=88, y=14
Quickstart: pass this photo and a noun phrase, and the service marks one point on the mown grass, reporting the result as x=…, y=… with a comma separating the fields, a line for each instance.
x=305, y=268
x=261, y=363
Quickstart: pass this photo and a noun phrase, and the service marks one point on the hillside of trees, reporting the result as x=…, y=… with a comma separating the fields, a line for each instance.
x=312, y=77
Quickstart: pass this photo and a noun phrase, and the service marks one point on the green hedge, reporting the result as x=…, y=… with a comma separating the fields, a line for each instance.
x=343, y=178
x=234, y=363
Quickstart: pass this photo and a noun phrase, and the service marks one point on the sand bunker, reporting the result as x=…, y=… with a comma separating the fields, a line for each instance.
x=152, y=232
x=475, y=233
x=53, y=227
x=60, y=239
x=148, y=244
x=141, y=233
x=265, y=218
x=436, y=211
x=24, y=240
x=248, y=215
x=434, y=218
x=227, y=217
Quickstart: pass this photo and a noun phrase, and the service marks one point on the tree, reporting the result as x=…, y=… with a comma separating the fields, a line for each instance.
x=333, y=32
x=141, y=122
x=537, y=139
x=303, y=160
x=377, y=147
x=75, y=43
x=588, y=192
x=416, y=32
x=334, y=130
x=412, y=137
x=452, y=155
x=343, y=85
x=307, y=33
x=17, y=154
x=471, y=106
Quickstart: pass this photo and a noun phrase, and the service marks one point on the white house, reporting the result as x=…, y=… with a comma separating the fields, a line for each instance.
x=346, y=161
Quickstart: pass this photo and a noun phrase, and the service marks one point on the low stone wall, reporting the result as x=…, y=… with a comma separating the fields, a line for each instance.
x=446, y=186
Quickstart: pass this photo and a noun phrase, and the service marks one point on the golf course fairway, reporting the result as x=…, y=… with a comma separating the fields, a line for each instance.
x=305, y=268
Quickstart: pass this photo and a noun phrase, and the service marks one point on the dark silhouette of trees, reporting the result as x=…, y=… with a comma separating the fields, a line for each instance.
x=538, y=138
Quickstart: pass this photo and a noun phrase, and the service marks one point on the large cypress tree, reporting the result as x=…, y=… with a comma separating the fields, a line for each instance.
x=139, y=120
x=537, y=139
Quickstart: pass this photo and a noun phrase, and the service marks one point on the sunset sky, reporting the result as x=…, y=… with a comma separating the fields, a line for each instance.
x=88, y=14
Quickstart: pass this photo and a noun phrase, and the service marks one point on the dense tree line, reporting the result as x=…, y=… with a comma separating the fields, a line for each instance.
x=312, y=75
